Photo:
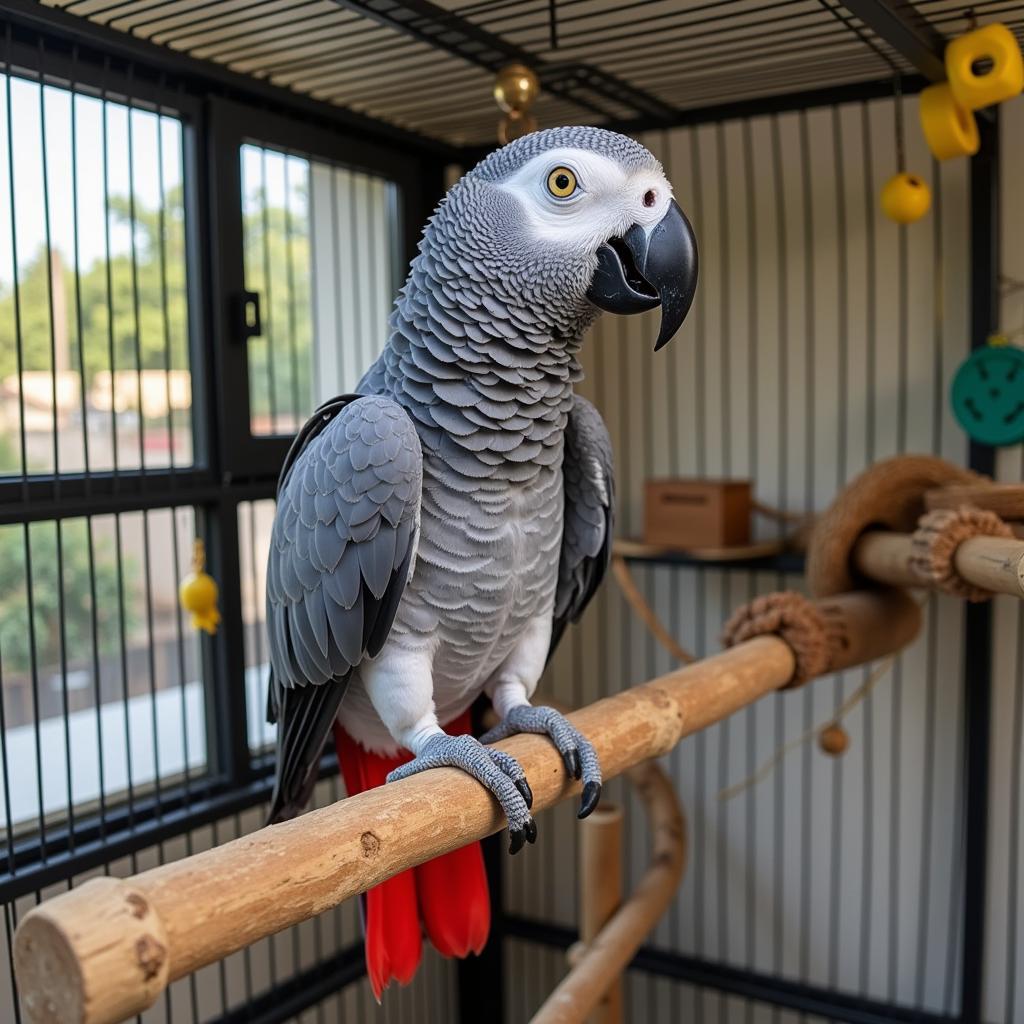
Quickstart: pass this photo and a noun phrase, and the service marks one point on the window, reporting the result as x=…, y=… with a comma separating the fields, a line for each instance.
x=319, y=245
x=101, y=672
x=102, y=702
x=94, y=358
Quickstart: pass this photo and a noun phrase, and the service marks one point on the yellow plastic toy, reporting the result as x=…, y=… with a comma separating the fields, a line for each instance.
x=948, y=129
x=906, y=198
x=973, y=88
x=198, y=593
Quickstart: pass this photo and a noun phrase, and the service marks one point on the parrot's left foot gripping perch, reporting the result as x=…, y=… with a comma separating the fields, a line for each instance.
x=499, y=772
x=577, y=751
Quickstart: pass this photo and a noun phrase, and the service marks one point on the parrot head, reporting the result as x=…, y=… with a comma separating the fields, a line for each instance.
x=579, y=219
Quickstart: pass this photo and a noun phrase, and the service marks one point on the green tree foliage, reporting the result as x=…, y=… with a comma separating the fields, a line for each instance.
x=137, y=311
x=15, y=637
x=123, y=307
x=277, y=266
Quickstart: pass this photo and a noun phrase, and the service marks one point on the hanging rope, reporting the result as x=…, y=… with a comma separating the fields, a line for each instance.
x=876, y=675
x=650, y=618
x=855, y=698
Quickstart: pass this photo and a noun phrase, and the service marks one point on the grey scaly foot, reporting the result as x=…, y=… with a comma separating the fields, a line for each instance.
x=577, y=751
x=497, y=771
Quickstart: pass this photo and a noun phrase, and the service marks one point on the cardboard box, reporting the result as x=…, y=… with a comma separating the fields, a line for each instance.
x=690, y=514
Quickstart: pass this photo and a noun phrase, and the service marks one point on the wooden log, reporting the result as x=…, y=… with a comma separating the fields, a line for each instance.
x=204, y=907
x=607, y=955
x=601, y=894
x=992, y=563
x=1006, y=500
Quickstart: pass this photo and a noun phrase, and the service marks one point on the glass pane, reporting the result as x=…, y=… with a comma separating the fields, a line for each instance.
x=96, y=660
x=320, y=250
x=94, y=356
x=255, y=519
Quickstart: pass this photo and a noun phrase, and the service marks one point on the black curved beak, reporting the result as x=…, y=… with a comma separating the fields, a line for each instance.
x=644, y=269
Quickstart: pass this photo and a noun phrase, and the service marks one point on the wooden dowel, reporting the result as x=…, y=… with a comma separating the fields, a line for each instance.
x=993, y=563
x=1006, y=500
x=606, y=955
x=105, y=950
x=601, y=893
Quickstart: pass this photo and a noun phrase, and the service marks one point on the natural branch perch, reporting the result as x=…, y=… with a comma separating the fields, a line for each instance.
x=104, y=951
x=607, y=953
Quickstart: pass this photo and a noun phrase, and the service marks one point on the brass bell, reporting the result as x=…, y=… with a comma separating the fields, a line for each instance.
x=514, y=125
x=515, y=88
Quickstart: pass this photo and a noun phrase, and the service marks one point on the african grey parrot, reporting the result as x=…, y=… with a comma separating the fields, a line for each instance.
x=437, y=530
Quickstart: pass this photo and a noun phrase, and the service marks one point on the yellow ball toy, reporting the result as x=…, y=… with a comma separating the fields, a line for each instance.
x=198, y=593
x=906, y=198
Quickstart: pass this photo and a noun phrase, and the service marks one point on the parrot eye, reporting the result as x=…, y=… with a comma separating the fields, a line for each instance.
x=562, y=182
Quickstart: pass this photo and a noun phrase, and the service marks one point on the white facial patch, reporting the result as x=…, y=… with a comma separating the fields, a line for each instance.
x=607, y=202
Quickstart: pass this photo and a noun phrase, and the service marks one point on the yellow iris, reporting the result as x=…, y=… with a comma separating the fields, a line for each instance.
x=562, y=182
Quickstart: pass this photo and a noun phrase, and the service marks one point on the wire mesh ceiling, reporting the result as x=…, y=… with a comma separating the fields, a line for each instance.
x=429, y=66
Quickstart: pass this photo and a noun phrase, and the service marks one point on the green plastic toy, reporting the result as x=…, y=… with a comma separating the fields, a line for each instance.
x=988, y=394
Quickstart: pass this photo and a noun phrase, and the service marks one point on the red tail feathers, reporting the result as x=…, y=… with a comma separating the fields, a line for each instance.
x=448, y=893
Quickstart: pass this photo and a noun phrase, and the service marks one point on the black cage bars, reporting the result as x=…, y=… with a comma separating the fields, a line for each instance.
x=227, y=469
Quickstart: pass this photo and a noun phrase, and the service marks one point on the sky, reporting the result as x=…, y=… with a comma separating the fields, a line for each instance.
x=155, y=141
x=24, y=109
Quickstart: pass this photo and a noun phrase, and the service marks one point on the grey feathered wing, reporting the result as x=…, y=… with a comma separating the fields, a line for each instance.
x=341, y=553
x=589, y=524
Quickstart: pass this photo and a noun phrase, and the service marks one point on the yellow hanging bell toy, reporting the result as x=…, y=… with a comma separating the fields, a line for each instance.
x=948, y=128
x=198, y=592
x=985, y=67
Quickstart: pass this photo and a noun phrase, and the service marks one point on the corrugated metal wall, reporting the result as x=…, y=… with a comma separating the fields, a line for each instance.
x=823, y=338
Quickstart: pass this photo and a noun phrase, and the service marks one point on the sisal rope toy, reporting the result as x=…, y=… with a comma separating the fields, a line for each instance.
x=936, y=539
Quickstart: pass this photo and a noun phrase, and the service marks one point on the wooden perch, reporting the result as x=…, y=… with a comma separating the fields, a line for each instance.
x=605, y=953
x=992, y=564
x=104, y=951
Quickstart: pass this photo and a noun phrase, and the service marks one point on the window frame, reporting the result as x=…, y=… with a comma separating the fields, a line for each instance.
x=31, y=497
x=231, y=125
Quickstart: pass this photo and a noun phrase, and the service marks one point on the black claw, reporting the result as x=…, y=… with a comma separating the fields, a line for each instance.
x=516, y=839
x=591, y=796
x=571, y=760
x=531, y=831
x=525, y=792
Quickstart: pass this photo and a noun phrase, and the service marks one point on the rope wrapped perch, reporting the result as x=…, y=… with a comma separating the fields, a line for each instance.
x=879, y=529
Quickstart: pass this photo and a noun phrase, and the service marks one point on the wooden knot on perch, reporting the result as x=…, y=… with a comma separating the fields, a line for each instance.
x=829, y=634
x=935, y=542
x=794, y=619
